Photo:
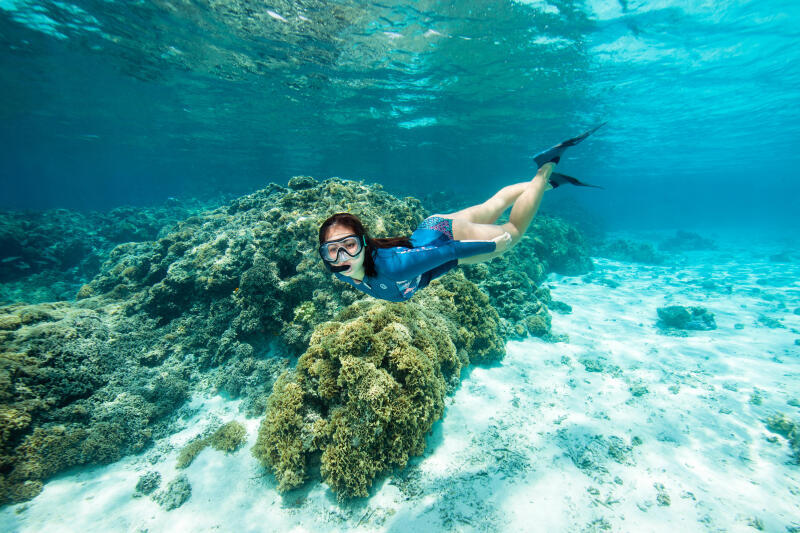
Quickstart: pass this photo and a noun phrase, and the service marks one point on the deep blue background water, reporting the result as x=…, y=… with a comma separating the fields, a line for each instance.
x=111, y=103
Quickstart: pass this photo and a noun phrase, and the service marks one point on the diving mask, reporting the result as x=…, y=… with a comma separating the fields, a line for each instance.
x=351, y=245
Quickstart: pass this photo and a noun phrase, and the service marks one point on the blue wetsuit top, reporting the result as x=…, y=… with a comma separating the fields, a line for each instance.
x=403, y=271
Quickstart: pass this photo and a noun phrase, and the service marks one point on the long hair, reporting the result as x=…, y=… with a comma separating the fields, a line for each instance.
x=354, y=223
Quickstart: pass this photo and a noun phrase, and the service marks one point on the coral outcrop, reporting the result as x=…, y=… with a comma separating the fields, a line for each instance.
x=680, y=317
x=372, y=383
x=782, y=425
x=687, y=241
x=630, y=251
x=47, y=255
x=224, y=300
x=227, y=438
x=513, y=280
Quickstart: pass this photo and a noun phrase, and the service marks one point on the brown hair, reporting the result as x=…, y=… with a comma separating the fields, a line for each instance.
x=354, y=223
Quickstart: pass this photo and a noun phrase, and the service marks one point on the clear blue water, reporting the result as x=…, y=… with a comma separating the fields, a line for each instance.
x=117, y=103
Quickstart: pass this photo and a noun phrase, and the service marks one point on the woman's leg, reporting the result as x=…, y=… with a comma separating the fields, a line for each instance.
x=489, y=211
x=524, y=208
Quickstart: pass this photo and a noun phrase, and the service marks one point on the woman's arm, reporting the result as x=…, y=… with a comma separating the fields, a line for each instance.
x=409, y=263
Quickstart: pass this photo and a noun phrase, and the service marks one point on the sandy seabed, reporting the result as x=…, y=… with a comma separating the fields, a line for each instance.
x=620, y=428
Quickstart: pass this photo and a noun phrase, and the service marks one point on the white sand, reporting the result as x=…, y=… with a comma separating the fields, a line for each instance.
x=505, y=457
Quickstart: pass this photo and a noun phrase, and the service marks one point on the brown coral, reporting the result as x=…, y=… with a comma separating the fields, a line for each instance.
x=372, y=383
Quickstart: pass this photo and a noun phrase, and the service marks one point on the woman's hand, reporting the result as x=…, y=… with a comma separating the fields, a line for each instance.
x=502, y=242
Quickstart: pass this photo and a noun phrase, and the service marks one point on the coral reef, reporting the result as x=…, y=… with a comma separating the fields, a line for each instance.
x=513, y=280
x=630, y=251
x=69, y=395
x=89, y=381
x=228, y=438
x=224, y=300
x=372, y=383
x=251, y=263
x=175, y=494
x=680, y=317
x=47, y=255
x=148, y=483
x=685, y=241
x=782, y=425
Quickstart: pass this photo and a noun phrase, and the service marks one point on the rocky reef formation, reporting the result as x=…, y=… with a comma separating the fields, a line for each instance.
x=76, y=388
x=372, y=383
x=686, y=241
x=630, y=251
x=224, y=300
x=227, y=438
x=782, y=425
x=46, y=256
x=680, y=317
x=513, y=280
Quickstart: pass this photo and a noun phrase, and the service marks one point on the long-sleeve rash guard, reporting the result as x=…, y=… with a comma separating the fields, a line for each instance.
x=403, y=271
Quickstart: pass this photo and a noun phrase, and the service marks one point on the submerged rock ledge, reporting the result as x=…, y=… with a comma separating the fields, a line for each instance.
x=201, y=309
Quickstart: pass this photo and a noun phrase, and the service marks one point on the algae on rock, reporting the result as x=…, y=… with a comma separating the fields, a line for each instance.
x=372, y=383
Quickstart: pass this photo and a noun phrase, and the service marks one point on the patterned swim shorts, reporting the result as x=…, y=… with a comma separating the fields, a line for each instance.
x=440, y=224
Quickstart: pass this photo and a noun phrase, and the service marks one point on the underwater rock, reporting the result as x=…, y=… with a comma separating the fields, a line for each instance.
x=513, y=280
x=782, y=425
x=662, y=497
x=629, y=251
x=770, y=322
x=781, y=257
x=148, y=483
x=371, y=385
x=686, y=241
x=175, y=494
x=560, y=307
x=227, y=438
x=590, y=453
x=48, y=255
x=689, y=318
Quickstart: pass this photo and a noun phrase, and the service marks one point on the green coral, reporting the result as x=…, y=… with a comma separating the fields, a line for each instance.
x=189, y=452
x=371, y=385
x=227, y=438
x=782, y=425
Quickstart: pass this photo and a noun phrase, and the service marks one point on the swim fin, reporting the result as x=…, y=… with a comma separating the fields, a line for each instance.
x=553, y=155
x=557, y=179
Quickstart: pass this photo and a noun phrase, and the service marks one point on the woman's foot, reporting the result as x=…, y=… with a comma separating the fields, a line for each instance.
x=544, y=173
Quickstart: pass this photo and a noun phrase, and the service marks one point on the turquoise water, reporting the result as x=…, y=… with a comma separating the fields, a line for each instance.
x=633, y=364
x=113, y=103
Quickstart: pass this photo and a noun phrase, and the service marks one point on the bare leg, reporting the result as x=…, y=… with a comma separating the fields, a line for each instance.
x=489, y=211
x=522, y=213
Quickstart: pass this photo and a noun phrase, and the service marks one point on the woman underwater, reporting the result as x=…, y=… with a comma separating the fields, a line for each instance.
x=395, y=268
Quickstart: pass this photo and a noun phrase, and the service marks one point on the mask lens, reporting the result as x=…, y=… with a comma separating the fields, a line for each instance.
x=349, y=245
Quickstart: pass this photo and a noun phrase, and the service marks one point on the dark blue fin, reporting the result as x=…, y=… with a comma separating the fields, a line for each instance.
x=557, y=179
x=553, y=155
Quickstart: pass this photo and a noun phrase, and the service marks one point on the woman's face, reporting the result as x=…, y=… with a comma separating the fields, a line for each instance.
x=339, y=231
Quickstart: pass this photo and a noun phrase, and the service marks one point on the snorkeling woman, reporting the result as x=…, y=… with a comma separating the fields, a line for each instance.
x=395, y=268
